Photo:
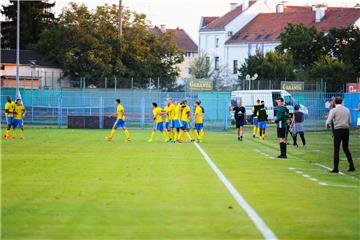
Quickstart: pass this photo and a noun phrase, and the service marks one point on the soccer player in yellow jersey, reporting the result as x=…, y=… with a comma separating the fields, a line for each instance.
x=176, y=120
x=255, y=109
x=158, y=121
x=169, y=120
x=9, y=114
x=198, y=120
x=120, y=121
x=185, y=119
x=19, y=115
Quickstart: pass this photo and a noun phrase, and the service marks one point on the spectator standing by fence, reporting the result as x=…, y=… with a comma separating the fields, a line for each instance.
x=341, y=119
x=298, y=128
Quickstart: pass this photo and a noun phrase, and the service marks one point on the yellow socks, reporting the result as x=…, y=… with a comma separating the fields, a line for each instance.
x=181, y=135
x=191, y=135
x=165, y=135
x=7, y=133
x=113, y=131
x=152, y=135
x=175, y=136
x=127, y=134
x=201, y=134
x=22, y=134
x=14, y=134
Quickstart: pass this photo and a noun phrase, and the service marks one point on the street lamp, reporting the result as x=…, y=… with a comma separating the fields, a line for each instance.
x=249, y=78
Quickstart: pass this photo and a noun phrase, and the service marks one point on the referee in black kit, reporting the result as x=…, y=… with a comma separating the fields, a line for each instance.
x=341, y=119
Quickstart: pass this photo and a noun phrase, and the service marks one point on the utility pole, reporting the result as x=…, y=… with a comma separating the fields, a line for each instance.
x=120, y=18
x=17, y=48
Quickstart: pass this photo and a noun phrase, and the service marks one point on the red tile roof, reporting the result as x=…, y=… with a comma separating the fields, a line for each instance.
x=182, y=39
x=220, y=22
x=207, y=20
x=266, y=27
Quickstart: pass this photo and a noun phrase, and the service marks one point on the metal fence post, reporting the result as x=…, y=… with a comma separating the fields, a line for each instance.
x=59, y=122
x=142, y=120
x=225, y=116
x=101, y=113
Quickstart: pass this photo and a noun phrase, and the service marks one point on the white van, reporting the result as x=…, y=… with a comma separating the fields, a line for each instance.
x=248, y=99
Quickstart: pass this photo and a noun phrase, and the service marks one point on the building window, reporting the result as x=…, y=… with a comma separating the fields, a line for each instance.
x=216, y=42
x=236, y=67
x=217, y=63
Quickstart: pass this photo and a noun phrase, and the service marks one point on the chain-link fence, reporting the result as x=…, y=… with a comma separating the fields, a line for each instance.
x=54, y=107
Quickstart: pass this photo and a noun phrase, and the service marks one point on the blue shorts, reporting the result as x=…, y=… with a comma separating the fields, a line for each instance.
x=119, y=123
x=160, y=126
x=169, y=124
x=177, y=123
x=9, y=121
x=18, y=123
x=184, y=124
x=255, y=121
x=199, y=126
x=262, y=124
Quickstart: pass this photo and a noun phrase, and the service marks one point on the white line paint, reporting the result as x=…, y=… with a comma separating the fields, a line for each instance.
x=323, y=166
x=255, y=218
x=320, y=183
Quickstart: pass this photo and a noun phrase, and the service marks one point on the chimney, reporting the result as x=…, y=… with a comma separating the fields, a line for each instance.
x=280, y=8
x=233, y=6
x=320, y=11
x=163, y=28
x=245, y=5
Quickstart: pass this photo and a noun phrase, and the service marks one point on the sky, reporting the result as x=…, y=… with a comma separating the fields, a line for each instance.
x=184, y=14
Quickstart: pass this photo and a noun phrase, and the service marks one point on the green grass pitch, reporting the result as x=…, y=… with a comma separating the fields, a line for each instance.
x=72, y=184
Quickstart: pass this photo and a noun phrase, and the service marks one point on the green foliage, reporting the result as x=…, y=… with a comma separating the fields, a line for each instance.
x=35, y=16
x=86, y=43
x=274, y=65
x=305, y=44
x=200, y=67
x=334, y=71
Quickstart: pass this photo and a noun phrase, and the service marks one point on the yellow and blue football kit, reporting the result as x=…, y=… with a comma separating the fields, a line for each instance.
x=158, y=120
x=9, y=112
x=199, y=123
x=120, y=123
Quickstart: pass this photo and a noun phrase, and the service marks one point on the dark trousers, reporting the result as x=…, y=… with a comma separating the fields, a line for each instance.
x=302, y=136
x=342, y=135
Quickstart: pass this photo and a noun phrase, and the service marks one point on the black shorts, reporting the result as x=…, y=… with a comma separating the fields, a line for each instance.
x=240, y=123
x=281, y=132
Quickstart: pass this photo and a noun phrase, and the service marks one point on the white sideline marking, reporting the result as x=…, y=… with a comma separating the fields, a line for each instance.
x=320, y=183
x=255, y=218
x=323, y=166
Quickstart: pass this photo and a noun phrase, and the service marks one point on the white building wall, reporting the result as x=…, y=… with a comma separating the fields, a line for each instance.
x=240, y=52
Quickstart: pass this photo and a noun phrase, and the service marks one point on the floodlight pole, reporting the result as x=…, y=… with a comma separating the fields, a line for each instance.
x=120, y=18
x=17, y=48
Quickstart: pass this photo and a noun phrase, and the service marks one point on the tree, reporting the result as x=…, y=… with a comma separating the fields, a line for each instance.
x=344, y=44
x=273, y=66
x=86, y=43
x=334, y=72
x=35, y=16
x=305, y=44
x=200, y=67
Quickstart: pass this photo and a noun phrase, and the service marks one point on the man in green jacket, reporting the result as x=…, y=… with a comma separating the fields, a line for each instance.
x=281, y=125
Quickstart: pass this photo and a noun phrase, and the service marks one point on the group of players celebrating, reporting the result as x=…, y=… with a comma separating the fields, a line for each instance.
x=177, y=121
x=14, y=113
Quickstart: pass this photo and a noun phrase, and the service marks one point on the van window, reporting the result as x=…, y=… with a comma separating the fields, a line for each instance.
x=288, y=100
x=275, y=96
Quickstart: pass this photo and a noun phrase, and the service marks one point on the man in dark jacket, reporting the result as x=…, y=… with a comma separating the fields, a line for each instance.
x=281, y=125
